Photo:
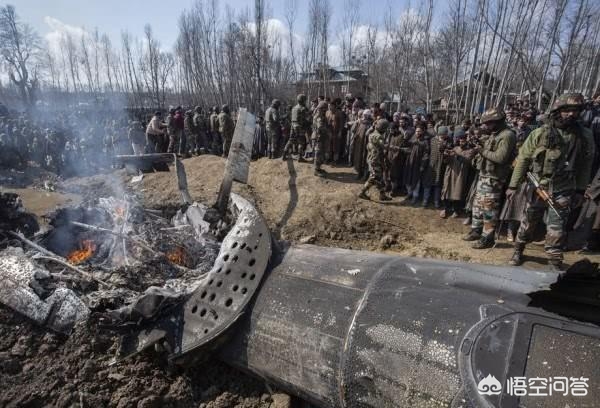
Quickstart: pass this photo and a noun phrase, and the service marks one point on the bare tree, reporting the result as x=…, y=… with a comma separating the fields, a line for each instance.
x=19, y=46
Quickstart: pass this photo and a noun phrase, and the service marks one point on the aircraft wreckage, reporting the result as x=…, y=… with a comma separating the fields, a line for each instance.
x=344, y=328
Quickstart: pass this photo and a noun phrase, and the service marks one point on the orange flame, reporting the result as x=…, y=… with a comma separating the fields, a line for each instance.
x=79, y=255
x=177, y=256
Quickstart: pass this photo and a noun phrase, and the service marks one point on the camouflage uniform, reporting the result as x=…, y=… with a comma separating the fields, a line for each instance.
x=560, y=155
x=320, y=136
x=375, y=157
x=298, y=129
x=273, y=128
x=494, y=165
x=226, y=127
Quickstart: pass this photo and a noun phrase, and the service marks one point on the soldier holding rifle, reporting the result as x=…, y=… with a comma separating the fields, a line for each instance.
x=558, y=157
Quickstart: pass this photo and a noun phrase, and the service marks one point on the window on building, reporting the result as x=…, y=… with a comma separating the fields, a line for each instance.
x=344, y=89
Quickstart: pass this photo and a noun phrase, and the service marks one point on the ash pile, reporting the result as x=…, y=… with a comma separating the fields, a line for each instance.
x=111, y=258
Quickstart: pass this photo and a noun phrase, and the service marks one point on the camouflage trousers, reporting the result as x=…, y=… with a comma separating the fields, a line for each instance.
x=177, y=142
x=487, y=205
x=375, y=176
x=319, y=149
x=298, y=140
x=555, y=225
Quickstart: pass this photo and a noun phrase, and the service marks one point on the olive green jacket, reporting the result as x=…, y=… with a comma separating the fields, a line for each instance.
x=497, y=154
x=562, y=164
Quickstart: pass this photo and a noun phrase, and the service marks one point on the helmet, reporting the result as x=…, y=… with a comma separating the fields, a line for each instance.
x=301, y=98
x=382, y=125
x=492, y=115
x=367, y=114
x=275, y=103
x=225, y=108
x=568, y=100
x=198, y=109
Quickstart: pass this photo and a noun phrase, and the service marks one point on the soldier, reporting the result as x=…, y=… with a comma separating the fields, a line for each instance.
x=201, y=139
x=217, y=145
x=320, y=137
x=298, y=130
x=273, y=127
x=226, y=127
x=494, y=165
x=375, y=152
x=560, y=155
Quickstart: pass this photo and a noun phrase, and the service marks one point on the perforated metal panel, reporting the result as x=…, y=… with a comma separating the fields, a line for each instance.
x=233, y=280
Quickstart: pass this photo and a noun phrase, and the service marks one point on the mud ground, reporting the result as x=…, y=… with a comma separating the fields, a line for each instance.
x=300, y=207
x=38, y=368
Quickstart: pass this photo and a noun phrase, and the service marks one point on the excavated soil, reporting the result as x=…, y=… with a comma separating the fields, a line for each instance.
x=38, y=368
x=300, y=207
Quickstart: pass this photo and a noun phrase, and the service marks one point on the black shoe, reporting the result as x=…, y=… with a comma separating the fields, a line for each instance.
x=473, y=235
x=384, y=197
x=364, y=196
x=484, y=243
x=301, y=159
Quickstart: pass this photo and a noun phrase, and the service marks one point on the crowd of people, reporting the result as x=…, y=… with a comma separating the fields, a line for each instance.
x=516, y=169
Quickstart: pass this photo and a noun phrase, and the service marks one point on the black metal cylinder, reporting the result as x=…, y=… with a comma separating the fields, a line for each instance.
x=344, y=328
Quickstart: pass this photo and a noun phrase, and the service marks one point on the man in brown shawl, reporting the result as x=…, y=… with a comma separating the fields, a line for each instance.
x=359, y=144
x=456, y=177
x=416, y=162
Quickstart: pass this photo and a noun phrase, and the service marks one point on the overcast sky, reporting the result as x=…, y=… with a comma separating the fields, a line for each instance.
x=49, y=17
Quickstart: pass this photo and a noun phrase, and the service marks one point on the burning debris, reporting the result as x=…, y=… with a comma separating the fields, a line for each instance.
x=107, y=256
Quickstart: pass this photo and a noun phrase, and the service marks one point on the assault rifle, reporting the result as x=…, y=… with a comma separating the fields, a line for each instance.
x=542, y=193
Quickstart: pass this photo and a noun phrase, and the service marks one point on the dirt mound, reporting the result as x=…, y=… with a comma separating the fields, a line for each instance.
x=300, y=207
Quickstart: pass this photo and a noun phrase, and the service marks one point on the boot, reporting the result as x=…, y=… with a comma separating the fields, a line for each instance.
x=517, y=256
x=473, y=235
x=284, y=156
x=301, y=159
x=383, y=196
x=484, y=242
x=363, y=195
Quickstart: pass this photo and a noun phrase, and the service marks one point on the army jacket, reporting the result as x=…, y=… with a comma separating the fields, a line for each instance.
x=561, y=158
x=299, y=114
x=272, y=118
x=375, y=147
x=225, y=124
x=497, y=154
